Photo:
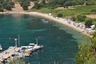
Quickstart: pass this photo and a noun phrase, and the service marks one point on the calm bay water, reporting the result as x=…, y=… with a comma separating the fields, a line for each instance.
x=60, y=42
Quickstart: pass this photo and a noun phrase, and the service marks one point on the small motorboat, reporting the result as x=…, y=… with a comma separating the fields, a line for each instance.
x=44, y=21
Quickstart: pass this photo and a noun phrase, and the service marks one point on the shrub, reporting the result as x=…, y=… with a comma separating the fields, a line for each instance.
x=59, y=15
x=1, y=9
x=25, y=6
x=12, y=3
x=4, y=4
x=73, y=18
x=81, y=18
x=88, y=23
x=8, y=7
x=94, y=10
x=38, y=6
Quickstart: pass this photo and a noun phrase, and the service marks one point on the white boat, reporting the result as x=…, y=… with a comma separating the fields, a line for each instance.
x=44, y=21
x=30, y=48
x=35, y=46
x=1, y=48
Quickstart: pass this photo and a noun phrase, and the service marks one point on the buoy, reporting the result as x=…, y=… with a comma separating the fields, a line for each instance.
x=10, y=38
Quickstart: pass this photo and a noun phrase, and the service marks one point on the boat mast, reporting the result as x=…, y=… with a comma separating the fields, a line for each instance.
x=0, y=47
x=15, y=42
x=18, y=40
x=36, y=40
x=54, y=62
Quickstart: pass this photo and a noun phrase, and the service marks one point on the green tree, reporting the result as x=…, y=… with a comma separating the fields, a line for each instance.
x=80, y=2
x=8, y=7
x=38, y=6
x=81, y=18
x=94, y=34
x=25, y=6
x=67, y=3
x=1, y=9
x=88, y=22
x=43, y=2
x=73, y=18
x=94, y=10
x=4, y=4
x=12, y=4
x=87, y=52
x=59, y=15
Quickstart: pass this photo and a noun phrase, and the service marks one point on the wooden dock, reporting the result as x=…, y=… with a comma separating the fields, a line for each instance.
x=7, y=53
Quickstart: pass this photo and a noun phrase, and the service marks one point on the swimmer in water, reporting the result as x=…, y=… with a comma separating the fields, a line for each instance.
x=10, y=38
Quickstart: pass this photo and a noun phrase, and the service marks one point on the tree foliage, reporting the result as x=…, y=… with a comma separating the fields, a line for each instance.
x=38, y=6
x=87, y=51
x=43, y=2
x=73, y=18
x=25, y=4
x=94, y=34
x=88, y=23
x=59, y=15
x=66, y=3
x=6, y=4
x=81, y=18
x=1, y=8
x=18, y=61
x=93, y=10
x=8, y=7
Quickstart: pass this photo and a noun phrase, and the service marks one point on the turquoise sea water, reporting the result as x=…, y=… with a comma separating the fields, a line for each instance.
x=60, y=42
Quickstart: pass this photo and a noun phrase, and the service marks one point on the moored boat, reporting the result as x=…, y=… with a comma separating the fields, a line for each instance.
x=37, y=47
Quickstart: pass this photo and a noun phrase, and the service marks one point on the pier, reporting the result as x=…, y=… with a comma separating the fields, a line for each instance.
x=7, y=53
x=16, y=52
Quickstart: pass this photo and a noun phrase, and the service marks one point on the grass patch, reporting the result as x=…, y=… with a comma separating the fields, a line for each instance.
x=43, y=10
x=77, y=10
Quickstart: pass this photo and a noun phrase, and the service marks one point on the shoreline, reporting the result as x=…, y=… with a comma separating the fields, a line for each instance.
x=62, y=21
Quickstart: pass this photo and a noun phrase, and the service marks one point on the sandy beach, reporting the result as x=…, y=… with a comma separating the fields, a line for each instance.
x=63, y=21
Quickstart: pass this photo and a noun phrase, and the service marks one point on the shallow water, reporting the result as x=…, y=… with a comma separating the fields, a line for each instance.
x=60, y=42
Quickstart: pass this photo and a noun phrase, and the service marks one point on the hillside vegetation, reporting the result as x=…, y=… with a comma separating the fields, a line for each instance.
x=70, y=7
x=62, y=3
x=6, y=4
x=76, y=10
x=87, y=51
x=9, y=4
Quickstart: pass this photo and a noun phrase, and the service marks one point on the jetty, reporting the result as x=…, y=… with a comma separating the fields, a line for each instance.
x=15, y=52
x=19, y=52
x=7, y=53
